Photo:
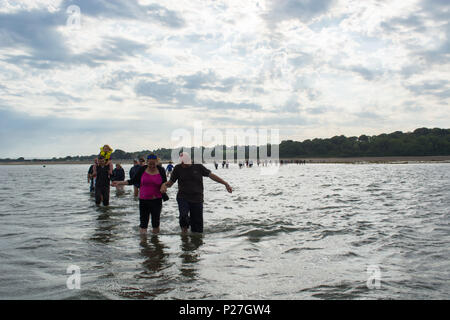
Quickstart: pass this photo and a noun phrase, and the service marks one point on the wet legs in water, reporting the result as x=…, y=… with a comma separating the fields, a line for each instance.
x=191, y=215
x=102, y=195
x=149, y=208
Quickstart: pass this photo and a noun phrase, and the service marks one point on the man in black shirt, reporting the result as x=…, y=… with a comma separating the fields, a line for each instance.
x=102, y=183
x=190, y=191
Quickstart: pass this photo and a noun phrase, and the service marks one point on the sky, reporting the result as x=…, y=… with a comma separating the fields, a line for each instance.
x=75, y=75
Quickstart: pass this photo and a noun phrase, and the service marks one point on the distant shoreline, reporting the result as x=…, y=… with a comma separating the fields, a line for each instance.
x=350, y=160
x=399, y=159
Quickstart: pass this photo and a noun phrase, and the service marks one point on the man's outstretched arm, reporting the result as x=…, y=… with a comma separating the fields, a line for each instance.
x=219, y=180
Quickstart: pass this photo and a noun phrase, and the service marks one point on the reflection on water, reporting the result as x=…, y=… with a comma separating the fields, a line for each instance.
x=154, y=255
x=105, y=225
x=120, y=192
x=190, y=244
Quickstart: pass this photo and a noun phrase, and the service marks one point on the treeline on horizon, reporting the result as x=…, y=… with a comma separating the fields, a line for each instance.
x=420, y=142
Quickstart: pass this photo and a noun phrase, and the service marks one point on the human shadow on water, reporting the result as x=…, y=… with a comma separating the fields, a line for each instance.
x=120, y=192
x=153, y=252
x=190, y=243
x=154, y=264
x=104, y=231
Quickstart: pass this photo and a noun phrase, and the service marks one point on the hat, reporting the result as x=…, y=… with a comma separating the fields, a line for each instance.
x=184, y=158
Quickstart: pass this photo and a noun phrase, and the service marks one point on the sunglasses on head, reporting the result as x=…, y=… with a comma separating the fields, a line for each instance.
x=151, y=157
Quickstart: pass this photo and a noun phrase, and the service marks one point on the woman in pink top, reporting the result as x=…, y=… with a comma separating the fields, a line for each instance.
x=150, y=178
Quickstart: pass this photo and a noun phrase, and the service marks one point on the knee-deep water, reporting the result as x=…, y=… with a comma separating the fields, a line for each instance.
x=315, y=231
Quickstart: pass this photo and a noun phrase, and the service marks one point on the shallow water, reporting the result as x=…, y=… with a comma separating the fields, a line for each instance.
x=309, y=232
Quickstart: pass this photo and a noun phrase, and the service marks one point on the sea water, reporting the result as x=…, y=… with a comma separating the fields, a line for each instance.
x=315, y=231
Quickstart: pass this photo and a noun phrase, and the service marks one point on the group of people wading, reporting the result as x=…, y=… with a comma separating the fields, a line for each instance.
x=151, y=182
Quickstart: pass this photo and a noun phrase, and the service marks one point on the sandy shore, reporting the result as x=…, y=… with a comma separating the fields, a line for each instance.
x=308, y=160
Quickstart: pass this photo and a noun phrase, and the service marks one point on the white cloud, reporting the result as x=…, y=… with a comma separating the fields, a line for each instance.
x=312, y=68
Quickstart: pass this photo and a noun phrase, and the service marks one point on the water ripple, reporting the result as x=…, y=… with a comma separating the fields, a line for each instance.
x=309, y=232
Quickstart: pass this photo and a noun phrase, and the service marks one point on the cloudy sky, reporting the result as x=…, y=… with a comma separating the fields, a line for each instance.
x=128, y=73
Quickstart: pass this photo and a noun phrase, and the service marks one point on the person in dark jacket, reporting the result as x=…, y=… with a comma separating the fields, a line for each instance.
x=90, y=176
x=118, y=174
x=134, y=169
x=150, y=177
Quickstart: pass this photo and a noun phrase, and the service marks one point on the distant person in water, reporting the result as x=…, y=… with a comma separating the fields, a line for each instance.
x=134, y=169
x=169, y=169
x=216, y=164
x=150, y=178
x=190, y=191
x=90, y=176
x=118, y=174
x=102, y=182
